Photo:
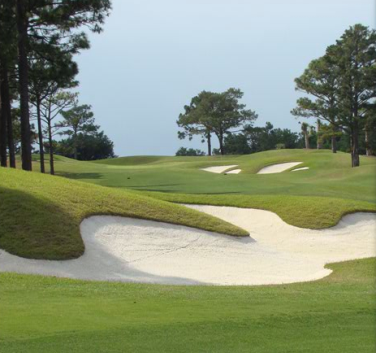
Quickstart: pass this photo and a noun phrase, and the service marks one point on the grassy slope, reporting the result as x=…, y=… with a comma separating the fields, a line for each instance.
x=316, y=198
x=336, y=315
x=300, y=211
x=330, y=175
x=40, y=214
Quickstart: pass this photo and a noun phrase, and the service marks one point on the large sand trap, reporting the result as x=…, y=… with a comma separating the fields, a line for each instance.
x=278, y=168
x=219, y=169
x=124, y=249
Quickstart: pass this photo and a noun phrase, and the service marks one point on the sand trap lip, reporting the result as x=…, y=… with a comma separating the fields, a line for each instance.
x=278, y=168
x=218, y=169
x=131, y=250
x=299, y=169
x=234, y=171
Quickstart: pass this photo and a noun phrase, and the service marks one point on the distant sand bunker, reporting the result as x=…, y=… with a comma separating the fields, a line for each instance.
x=219, y=169
x=298, y=169
x=278, y=168
x=235, y=171
x=133, y=250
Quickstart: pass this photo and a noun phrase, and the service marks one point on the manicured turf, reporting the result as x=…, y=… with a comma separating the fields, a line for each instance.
x=335, y=315
x=41, y=214
x=315, y=198
x=301, y=211
x=330, y=175
x=39, y=314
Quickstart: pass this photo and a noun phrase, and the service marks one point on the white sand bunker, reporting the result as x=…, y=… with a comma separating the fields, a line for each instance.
x=219, y=169
x=278, y=168
x=298, y=169
x=124, y=249
x=234, y=171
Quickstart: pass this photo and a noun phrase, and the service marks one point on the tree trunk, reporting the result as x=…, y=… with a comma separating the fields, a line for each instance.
x=334, y=137
x=319, y=138
x=366, y=138
x=221, y=147
x=51, y=149
x=355, y=148
x=334, y=144
x=209, y=144
x=306, y=139
x=22, y=26
x=40, y=136
x=6, y=111
x=75, y=146
x=3, y=131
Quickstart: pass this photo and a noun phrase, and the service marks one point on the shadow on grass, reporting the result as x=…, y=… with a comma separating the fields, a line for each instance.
x=80, y=175
x=34, y=227
x=156, y=190
x=151, y=186
x=218, y=193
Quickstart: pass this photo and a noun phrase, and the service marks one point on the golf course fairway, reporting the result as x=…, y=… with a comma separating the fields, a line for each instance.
x=42, y=217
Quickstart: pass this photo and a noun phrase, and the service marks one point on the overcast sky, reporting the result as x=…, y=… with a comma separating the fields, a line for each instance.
x=155, y=55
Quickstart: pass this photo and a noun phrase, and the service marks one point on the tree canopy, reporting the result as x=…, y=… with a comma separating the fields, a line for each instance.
x=215, y=113
x=343, y=86
x=77, y=120
x=37, y=42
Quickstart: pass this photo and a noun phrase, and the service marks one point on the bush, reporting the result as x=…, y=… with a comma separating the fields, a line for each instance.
x=189, y=152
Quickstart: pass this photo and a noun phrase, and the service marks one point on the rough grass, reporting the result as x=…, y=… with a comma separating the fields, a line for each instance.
x=333, y=315
x=40, y=214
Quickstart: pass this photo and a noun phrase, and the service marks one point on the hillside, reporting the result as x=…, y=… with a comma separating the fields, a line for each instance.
x=314, y=198
x=41, y=214
x=330, y=175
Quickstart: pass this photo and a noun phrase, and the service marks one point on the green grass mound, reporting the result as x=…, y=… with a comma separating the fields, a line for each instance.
x=250, y=163
x=134, y=160
x=41, y=214
x=335, y=314
x=299, y=211
x=330, y=175
x=315, y=198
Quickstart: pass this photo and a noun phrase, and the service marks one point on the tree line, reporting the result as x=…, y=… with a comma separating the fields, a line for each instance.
x=341, y=93
x=254, y=139
x=38, y=41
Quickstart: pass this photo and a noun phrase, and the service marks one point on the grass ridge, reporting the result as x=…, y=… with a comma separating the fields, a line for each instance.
x=41, y=214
